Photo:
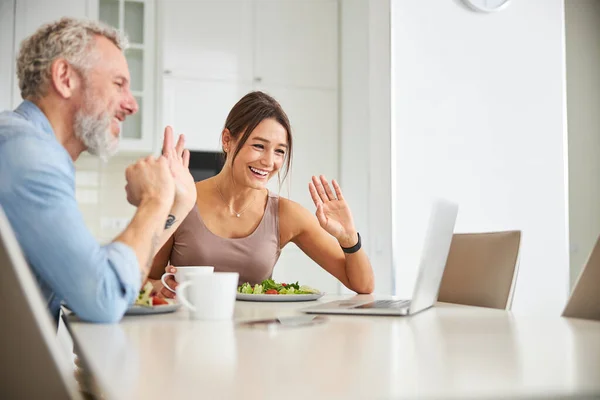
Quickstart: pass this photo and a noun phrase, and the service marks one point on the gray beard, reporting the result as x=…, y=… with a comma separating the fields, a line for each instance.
x=94, y=132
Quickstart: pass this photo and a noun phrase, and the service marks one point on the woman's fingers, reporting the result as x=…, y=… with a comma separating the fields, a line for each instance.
x=321, y=192
x=177, y=152
x=313, y=193
x=338, y=190
x=180, y=145
x=168, y=140
x=328, y=190
x=320, y=189
x=186, y=158
x=164, y=292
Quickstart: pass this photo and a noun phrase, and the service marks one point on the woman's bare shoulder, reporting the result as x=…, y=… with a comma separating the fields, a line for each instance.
x=205, y=183
x=287, y=206
x=293, y=214
x=204, y=188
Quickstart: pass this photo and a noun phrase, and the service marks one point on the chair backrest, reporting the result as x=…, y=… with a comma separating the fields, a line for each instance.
x=481, y=269
x=34, y=367
x=584, y=301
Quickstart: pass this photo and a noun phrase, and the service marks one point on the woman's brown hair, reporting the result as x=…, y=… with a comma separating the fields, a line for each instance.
x=250, y=111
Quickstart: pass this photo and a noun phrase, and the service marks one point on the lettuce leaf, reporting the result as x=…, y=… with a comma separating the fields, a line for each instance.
x=268, y=284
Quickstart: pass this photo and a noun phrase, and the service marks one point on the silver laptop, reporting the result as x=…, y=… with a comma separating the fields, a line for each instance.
x=436, y=247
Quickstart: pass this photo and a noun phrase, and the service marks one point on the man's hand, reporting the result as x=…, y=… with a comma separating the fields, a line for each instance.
x=178, y=159
x=149, y=179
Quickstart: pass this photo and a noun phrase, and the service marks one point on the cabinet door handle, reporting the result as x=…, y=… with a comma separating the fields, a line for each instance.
x=167, y=72
x=257, y=79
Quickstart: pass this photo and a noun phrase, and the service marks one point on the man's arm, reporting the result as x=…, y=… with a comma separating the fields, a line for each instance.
x=144, y=232
x=151, y=188
x=37, y=194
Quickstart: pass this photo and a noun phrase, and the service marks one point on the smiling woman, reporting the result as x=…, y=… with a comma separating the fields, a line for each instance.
x=238, y=225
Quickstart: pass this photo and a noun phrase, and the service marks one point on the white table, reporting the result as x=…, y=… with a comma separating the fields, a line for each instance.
x=448, y=351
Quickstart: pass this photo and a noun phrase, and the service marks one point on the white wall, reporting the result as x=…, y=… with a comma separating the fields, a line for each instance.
x=582, y=26
x=478, y=115
x=365, y=151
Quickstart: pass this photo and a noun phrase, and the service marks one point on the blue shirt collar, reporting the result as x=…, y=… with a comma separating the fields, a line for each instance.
x=33, y=114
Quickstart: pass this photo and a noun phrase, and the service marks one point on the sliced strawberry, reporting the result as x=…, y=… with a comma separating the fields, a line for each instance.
x=159, y=301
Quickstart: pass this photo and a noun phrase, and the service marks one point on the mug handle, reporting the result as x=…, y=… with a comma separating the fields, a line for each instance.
x=162, y=279
x=181, y=297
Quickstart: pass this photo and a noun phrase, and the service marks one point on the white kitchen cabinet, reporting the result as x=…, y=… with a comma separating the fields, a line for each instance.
x=243, y=45
x=296, y=43
x=31, y=14
x=207, y=39
x=198, y=108
x=7, y=58
x=136, y=19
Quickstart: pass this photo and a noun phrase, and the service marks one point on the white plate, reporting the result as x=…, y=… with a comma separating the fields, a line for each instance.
x=144, y=310
x=278, y=297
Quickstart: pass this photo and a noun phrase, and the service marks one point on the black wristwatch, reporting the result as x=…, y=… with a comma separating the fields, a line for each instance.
x=353, y=249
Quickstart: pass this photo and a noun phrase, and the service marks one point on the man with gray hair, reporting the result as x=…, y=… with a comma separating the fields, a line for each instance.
x=74, y=80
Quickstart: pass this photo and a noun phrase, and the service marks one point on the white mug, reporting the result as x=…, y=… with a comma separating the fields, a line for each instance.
x=209, y=296
x=184, y=273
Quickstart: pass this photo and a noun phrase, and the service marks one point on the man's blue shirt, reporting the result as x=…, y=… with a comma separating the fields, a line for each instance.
x=37, y=193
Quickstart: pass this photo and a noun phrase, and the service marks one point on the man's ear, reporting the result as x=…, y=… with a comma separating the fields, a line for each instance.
x=64, y=78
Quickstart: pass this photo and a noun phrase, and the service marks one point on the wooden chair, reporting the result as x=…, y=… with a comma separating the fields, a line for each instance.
x=34, y=366
x=585, y=297
x=481, y=269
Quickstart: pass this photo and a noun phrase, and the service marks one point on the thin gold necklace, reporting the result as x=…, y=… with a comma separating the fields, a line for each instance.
x=231, y=210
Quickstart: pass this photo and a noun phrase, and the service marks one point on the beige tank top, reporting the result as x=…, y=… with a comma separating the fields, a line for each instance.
x=253, y=256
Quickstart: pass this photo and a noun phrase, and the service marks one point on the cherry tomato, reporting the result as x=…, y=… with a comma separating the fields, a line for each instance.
x=158, y=301
x=271, y=291
x=284, y=284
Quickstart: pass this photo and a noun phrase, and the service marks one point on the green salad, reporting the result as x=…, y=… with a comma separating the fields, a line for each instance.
x=148, y=298
x=269, y=286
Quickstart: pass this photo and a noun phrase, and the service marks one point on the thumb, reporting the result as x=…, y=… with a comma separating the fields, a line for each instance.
x=321, y=215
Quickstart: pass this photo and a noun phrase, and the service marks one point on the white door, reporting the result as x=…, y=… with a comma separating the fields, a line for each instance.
x=198, y=108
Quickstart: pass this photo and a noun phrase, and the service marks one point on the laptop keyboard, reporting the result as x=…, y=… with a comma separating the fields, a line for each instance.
x=386, y=304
